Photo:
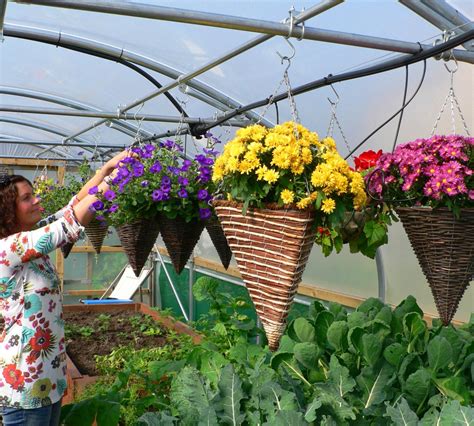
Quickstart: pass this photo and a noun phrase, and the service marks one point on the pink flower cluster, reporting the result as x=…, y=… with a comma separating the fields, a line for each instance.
x=434, y=172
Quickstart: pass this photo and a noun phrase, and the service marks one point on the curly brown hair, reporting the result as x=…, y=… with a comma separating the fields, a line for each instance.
x=8, y=195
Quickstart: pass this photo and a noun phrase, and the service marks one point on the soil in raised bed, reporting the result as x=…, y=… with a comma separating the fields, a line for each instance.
x=122, y=330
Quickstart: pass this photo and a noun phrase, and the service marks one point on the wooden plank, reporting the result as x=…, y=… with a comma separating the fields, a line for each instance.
x=90, y=249
x=30, y=162
x=92, y=292
x=61, y=174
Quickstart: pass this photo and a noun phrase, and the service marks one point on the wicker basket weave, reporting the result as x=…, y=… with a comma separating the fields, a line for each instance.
x=137, y=239
x=179, y=237
x=66, y=249
x=444, y=247
x=215, y=231
x=271, y=247
x=96, y=232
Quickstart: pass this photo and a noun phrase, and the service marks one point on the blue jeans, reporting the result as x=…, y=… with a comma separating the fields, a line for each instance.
x=43, y=416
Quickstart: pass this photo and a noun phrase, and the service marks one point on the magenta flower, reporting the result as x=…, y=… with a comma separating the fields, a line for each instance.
x=434, y=172
x=94, y=190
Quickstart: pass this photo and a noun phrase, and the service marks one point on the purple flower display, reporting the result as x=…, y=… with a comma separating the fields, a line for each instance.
x=435, y=172
x=159, y=178
x=94, y=190
x=98, y=205
x=204, y=213
x=156, y=167
x=109, y=195
x=202, y=195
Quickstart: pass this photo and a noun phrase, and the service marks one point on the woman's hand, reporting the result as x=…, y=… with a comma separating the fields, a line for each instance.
x=108, y=167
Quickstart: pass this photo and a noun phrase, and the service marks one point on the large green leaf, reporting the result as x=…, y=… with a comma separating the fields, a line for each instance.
x=440, y=353
x=330, y=399
x=410, y=364
x=371, y=349
x=315, y=308
x=322, y=323
x=339, y=376
x=307, y=354
x=374, y=382
x=160, y=418
x=82, y=413
x=385, y=315
x=211, y=365
x=418, y=386
x=405, y=307
x=455, y=388
x=355, y=339
x=371, y=304
x=190, y=394
x=274, y=399
x=394, y=353
x=208, y=417
x=304, y=330
x=454, y=414
x=230, y=397
x=279, y=357
x=455, y=340
x=337, y=335
x=286, y=344
x=357, y=319
x=312, y=408
x=414, y=327
x=287, y=418
x=337, y=310
x=108, y=413
x=401, y=414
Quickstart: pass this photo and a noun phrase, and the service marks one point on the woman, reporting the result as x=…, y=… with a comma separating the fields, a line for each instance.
x=32, y=346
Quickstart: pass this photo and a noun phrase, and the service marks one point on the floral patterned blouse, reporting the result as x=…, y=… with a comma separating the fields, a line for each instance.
x=32, y=346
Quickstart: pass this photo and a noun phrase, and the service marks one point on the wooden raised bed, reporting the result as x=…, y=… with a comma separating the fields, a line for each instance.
x=76, y=382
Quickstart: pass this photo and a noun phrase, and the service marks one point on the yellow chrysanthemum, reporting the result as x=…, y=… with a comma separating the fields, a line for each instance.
x=236, y=148
x=306, y=155
x=287, y=196
x=329, y=142
x=304, y=202
x=218, y=171
x=255, y=147
x=280, y=158
x=252, y=133
x=260, y=172
x=271, y=176
x=247, y=166
x=297, y=168
x=328, y=205
x=232, y=164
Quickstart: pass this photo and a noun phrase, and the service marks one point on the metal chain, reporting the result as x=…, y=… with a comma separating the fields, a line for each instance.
x=294, y=111
x=452, y=100
x=333, y=120
x=462, y=116
x=270, y=102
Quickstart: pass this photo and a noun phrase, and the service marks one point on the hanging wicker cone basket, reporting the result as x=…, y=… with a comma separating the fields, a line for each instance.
x=66, y=249
x=271, y=247
x=215, y=231
x=137, y=239
x=179, y=237
x=96, y=232
x=444, y=247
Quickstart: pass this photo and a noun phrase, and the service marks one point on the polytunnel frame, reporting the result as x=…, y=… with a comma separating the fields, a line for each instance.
x=438, y=7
